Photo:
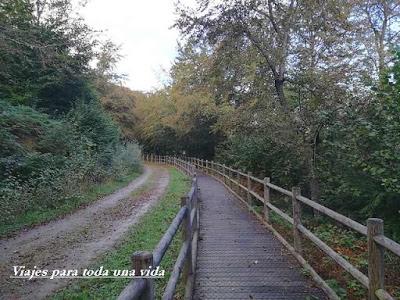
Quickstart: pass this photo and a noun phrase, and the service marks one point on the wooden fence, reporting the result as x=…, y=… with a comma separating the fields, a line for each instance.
x=377, y=242
x=188, y=219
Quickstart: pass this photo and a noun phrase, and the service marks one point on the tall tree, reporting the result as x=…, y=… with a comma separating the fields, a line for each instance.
x=378, y=24
x=45, y=52
x=292, y=50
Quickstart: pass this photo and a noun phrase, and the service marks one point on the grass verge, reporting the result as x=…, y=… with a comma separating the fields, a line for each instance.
x=43, y=215
x=143, y=236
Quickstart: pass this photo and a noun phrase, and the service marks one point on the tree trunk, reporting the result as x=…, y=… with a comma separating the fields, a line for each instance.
x=281, y=95
x=314, y=180
x=315, y=193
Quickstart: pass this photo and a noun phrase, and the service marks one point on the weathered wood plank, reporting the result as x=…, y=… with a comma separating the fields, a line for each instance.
x=236, y=251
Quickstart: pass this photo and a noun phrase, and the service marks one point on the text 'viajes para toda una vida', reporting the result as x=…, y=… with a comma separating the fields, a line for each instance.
x=100, y=272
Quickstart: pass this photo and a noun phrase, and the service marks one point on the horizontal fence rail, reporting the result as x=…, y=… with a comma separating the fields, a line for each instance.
x=187, y=219
x=377, y=242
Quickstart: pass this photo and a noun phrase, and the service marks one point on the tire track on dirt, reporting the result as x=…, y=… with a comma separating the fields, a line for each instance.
x=76, y=240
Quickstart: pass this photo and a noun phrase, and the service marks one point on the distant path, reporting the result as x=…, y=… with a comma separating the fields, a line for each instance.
x=238, y=258
x=74, y=241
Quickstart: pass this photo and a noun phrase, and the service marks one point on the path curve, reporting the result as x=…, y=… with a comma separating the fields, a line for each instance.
x=74, y=241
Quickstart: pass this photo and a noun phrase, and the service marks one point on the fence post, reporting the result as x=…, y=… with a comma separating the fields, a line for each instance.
x=375, y=258
x=229, y=178
x=266, y=198
x=142, y=260
x=224, y=172
x=238, y=181
x=296, y=219
x=187, y=237
x=248, y=188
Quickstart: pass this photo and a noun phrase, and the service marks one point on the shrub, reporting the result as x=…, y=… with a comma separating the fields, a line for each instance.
x=45, y=163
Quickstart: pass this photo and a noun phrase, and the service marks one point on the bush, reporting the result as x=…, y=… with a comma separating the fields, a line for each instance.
x=126, y=157
x=45, y=163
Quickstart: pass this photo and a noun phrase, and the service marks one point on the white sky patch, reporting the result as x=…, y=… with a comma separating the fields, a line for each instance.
x=143, y=30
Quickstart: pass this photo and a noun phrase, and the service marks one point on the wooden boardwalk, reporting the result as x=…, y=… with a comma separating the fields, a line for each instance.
x=238, y=258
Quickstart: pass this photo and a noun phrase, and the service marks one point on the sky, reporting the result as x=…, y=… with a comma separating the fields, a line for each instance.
x=142, y=28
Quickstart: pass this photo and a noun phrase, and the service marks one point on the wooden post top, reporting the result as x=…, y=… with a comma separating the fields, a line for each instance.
x=374, y=221
x=141, y=260
x=296, y=190
x=184, y=200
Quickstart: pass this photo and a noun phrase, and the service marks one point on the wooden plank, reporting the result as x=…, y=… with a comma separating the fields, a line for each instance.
x=266, y=198
x=296, y=219
x=273, y=208
x=190, y=282
x=168, y=236
x=229, y=236
x=257, y=179
x=178, y=267
x=324, y=286
x=187, y=238
x=376, y=271
x=383, y=295
x=142, y=260
x=249, y=189
x=133, y=290
x=281, y=190
x=334, y=215
x=388, y=244
x=335, y=256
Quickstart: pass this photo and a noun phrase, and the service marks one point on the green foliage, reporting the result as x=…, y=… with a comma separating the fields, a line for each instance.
x=47, y=163
x=89, y=194
x=56, y=140
x=44, y=57
x=360, y=160
x=258, y=153
x=97, y=128
x=334, y=285
x=309, y=96
x=182, y=118
x=334, y=235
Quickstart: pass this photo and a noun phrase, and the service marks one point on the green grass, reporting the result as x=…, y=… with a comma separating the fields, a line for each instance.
x=143, y=236
x=43, y=215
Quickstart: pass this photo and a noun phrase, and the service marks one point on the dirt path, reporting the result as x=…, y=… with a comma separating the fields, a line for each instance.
x=76, y=240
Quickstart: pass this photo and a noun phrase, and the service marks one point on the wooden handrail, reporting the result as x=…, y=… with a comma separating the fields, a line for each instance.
x=376, y=240
x=168, y=236
x=388, y=244
x=187, y=219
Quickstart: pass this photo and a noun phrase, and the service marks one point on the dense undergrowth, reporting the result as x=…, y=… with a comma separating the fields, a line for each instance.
x=48, y=164
x=347, y=243
x=143, y=236
x=58, y=140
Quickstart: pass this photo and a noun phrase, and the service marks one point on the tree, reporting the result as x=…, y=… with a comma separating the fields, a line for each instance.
x=289, y=50
x=44, y=54
x=377, y=22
